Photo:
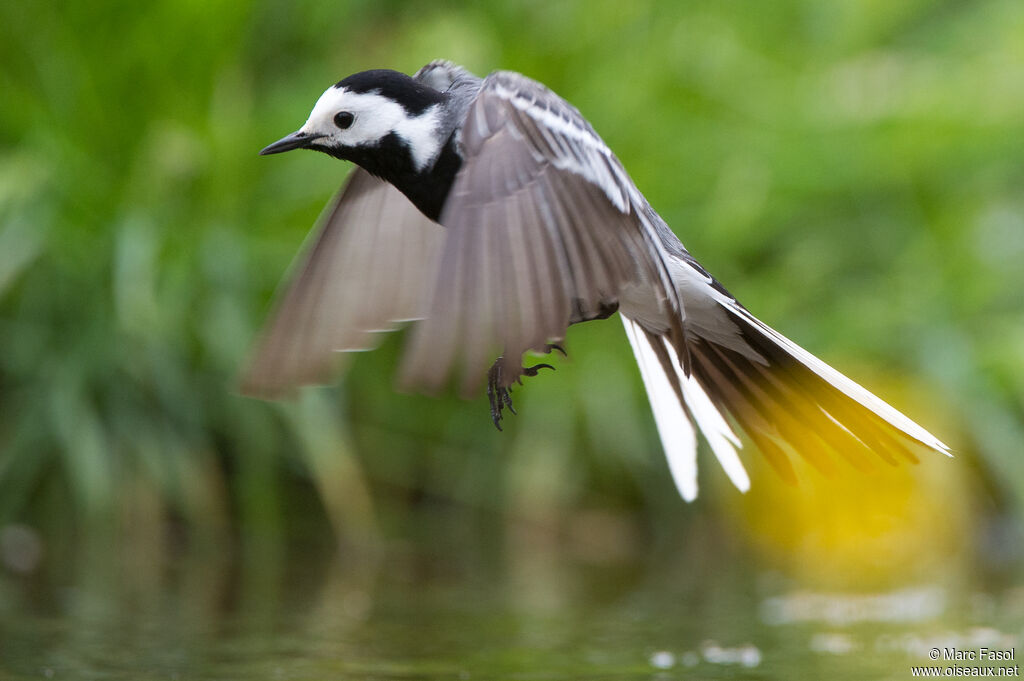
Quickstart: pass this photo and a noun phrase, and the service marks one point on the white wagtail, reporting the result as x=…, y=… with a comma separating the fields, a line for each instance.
x=491, y=213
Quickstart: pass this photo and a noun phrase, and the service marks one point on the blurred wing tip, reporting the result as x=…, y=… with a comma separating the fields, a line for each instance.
x=412, y=377
x=269, y=380
x=260, y=389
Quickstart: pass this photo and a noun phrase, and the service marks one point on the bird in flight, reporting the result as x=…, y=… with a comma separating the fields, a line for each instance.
x=491, y=215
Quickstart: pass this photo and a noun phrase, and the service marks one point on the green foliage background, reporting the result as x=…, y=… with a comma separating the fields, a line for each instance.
x=852, y=171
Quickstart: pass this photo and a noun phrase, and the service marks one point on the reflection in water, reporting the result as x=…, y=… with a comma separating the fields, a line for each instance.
x=907, y=605
x=447, y=602
x=834, y=643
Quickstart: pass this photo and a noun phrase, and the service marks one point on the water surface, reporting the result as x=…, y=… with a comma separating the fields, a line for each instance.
x=434, y=605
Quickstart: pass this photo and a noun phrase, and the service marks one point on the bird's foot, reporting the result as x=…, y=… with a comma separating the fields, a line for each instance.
x=500, y=395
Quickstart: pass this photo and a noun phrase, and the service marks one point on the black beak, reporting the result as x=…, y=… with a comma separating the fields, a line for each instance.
x=296, y=140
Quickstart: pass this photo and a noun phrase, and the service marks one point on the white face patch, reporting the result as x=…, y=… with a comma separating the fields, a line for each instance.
x=376, y=117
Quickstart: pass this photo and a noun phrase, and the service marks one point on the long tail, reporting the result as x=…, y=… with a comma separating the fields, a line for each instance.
x=788, y=402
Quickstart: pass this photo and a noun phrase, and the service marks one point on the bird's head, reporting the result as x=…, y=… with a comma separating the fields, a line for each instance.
x=370, y=114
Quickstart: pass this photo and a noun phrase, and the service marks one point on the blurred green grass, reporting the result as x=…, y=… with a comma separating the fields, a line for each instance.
x=851, y=171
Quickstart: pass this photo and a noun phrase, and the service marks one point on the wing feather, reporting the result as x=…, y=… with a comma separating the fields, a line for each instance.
x=542, y=233
x=363, y=273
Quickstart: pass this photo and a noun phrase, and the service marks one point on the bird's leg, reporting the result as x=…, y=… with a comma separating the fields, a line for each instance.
x=499, y=392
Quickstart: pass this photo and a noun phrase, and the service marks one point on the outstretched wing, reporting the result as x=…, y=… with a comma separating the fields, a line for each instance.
x=544, y=230
x=363, y=273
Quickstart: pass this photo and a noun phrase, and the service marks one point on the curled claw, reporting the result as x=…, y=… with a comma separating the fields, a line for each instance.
x=555, y=346
x=500, y=396
x=532, y=371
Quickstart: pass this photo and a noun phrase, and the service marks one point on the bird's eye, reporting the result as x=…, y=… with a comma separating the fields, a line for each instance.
x=343, y=119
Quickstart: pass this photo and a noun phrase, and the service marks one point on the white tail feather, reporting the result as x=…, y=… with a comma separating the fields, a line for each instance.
x=712, y=424
x=674, y=427
x=675, y=421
